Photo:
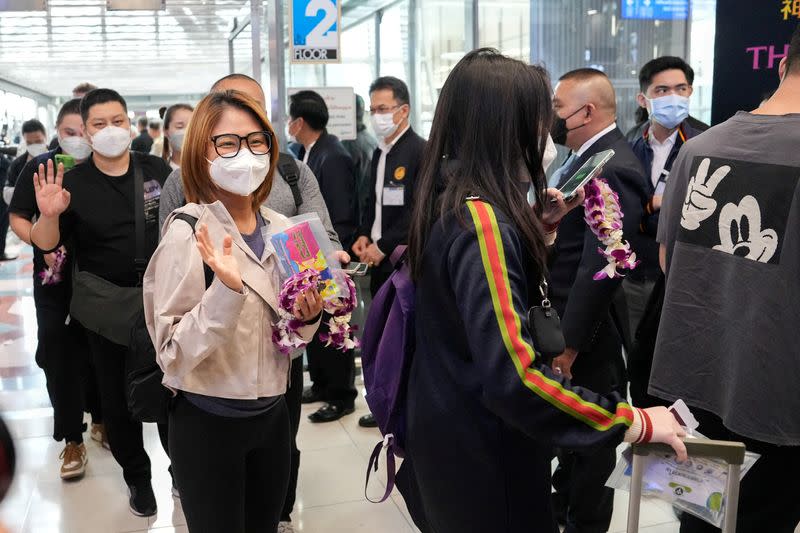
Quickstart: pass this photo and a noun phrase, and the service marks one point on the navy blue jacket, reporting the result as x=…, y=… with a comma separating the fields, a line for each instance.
x=336, y=173
x=483, y=408
x=648, y=249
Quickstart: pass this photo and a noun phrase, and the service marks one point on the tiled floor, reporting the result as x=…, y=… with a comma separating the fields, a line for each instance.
x=331, y=488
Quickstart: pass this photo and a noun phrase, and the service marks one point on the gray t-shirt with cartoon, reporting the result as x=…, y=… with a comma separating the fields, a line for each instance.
x=730, y=221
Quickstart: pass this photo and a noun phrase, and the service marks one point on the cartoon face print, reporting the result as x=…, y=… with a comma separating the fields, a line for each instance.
x=740, y=232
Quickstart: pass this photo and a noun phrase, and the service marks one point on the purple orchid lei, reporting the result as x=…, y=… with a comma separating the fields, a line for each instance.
x=286, y=333
x=53, y=274
x=604, y=217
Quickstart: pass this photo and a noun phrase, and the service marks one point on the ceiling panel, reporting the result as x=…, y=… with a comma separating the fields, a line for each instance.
x=182, y=49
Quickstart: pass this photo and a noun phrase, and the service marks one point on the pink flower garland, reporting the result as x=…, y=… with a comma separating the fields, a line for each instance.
x=53, y=274
x=286, y=333
x=604, y=217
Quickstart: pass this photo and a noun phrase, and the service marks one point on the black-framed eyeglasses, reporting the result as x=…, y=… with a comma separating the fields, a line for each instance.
x=228, y=145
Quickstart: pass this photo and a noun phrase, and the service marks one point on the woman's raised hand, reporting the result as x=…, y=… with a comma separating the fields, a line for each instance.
x=224, y=264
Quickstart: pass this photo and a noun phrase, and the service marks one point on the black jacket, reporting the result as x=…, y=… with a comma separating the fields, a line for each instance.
x=402, y=165
x=648, y=251
x=483, y=408
x=142, y=143
x=336, y=174
x=583, y=303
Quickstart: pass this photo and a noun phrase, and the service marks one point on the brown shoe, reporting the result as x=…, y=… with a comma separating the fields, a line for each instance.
x=75, y=459
x=98, y=434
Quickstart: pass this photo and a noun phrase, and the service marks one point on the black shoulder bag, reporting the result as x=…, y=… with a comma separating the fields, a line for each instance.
x=104, y=307
x=148, y=399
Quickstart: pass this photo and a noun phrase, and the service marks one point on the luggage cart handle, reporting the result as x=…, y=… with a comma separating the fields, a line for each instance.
x=731, y=452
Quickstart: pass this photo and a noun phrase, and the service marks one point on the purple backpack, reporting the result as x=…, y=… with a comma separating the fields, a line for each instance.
x=387, y=346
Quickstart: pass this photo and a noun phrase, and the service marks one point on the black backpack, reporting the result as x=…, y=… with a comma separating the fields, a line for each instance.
x=287, y=165
x=148, y=399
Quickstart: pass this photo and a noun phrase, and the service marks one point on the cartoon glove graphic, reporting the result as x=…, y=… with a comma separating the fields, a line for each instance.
x=700, y=203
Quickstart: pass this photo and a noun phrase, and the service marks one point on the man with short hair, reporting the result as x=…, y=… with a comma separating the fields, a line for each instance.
x=332, y=372
x=585, y=107
x=393, y=175
x=144, y=141
x=97, y=209
x=154, y=130
x=727, y=342
x=61, y=351
x=666, y=87
x=80, y=90
x=35, y=137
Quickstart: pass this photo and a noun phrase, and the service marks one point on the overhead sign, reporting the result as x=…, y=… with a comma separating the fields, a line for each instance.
x=23, y=5
x=747, y=56
x=314, y=27
x=136, y=5
x=341, y=103
x=655, y=9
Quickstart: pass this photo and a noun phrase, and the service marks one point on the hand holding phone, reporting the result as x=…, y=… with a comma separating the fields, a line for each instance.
x=588, y=171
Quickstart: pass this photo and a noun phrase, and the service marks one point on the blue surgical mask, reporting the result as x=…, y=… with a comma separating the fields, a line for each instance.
x=670, y=110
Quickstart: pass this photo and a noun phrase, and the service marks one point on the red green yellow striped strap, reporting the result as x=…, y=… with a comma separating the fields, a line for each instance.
x=521, y=353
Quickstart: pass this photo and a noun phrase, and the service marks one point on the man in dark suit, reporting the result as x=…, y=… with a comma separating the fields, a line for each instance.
x=393, y=174
x=584, y=103
x=144, y=141
x=332, y=372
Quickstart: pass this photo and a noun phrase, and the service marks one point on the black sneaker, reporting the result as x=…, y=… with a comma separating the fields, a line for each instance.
x=142, y=500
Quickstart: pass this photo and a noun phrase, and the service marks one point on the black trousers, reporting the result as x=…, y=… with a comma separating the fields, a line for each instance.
x=124, y=433
x=232, y=472
x=293, y=396
x=332, y=372
x=579, y=480
x=62, y=354
x=767, y=497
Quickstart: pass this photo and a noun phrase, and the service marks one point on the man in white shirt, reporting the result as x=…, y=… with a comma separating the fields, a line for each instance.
x=393, y=176
x=585, y=107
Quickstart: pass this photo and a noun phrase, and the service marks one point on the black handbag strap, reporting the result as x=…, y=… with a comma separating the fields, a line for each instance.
x=192, y=221
x=138, y=194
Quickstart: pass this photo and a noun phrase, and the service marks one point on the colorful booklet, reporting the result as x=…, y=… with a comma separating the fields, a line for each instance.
x=304, y=245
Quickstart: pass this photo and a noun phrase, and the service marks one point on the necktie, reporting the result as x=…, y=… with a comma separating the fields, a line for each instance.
x=562, y=172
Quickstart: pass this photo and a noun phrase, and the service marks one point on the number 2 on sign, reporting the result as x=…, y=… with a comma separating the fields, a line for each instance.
x=317, y=35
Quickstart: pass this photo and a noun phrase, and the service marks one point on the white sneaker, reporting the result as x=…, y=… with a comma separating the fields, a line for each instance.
x=285, y=527
x=74, y=461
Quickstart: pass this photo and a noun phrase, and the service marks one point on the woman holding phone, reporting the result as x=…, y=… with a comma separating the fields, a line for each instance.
x=229, y=434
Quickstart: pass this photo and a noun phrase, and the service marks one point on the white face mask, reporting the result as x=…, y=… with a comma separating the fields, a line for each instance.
x=36, y=149
x=550, y=153
x=111, y=141
x=242, y=174
x=77, y=147
x=289, y=137
x=176, y=140
x=383, y=125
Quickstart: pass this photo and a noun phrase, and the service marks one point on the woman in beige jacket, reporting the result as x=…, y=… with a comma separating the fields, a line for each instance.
x=229, y=432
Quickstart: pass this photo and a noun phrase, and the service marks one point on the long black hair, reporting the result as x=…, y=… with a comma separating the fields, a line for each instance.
x=167, y=114
x=489, y=133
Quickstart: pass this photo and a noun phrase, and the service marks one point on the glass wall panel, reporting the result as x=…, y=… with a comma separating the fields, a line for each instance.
x=442, y=43
x=505, y=25
x=394, y=41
